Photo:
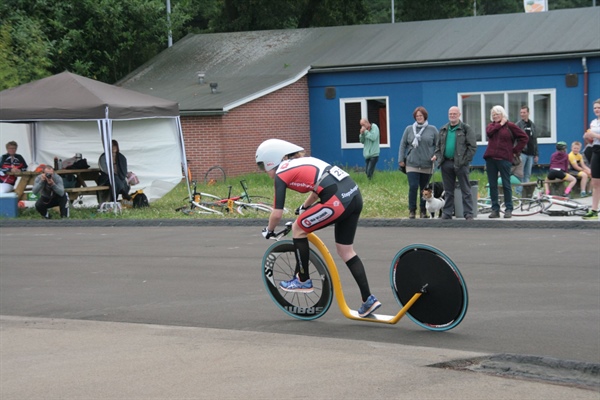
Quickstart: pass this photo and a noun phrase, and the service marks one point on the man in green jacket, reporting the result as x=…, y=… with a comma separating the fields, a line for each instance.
x=369, y=137
x=454, y=153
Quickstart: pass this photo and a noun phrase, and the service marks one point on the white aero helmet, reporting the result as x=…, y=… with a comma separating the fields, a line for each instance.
x=270, y=153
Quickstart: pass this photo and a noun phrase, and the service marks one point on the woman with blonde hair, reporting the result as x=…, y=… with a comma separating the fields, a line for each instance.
x=505, y=141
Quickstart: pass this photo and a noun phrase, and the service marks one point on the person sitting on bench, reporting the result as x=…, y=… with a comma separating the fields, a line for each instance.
x=119, y=169
x=578, y=168
x=559, y=165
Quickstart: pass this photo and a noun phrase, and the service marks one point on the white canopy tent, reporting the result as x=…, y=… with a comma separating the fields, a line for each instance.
x=68, y=114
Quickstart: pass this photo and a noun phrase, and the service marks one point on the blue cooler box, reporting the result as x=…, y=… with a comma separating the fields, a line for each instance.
x=8, y=205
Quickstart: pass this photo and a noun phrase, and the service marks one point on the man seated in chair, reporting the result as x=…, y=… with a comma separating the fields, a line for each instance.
x=120, y=172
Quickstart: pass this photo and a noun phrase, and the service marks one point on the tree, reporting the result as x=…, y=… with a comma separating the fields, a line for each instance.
x=24, y=51
x=491, y=7
x=101, y=39
x=248, y=15
x=436, y=9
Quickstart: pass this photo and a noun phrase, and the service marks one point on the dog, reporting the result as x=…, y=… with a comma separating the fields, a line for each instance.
x=433, y=204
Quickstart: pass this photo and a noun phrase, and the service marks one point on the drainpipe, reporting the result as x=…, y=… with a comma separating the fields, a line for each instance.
x=585, y=93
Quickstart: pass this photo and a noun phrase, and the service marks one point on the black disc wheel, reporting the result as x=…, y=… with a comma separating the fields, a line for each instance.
x=422, y=268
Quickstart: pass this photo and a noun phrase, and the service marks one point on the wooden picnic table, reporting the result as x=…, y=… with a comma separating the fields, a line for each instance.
x=80, y=189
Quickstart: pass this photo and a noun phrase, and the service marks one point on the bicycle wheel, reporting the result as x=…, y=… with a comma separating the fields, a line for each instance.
x=208, y=207
x=577, y=208
x=445, y=299
x=516, y=202
x=246, y=208
x=209, y=197
x=215, y=174
x=279, y=264
x=526, y=207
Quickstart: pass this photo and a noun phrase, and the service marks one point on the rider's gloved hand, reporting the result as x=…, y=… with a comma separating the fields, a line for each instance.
x=267, y=234
x=300, y=209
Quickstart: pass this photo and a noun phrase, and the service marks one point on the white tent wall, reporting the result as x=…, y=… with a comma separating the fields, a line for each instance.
x=151, y=147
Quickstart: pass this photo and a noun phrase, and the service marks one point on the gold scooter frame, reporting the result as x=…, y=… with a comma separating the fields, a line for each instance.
x=339, y=292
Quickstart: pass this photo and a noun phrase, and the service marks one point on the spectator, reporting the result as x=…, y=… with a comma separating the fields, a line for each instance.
x=49, y=186
x=454, y=153
x=578, y=168
x=369, y=137
x=530, y=155
x=10, y=162
x=559, y=165
x=505, y=142
x=417, y=148
x=119, y=169
x=334, y=199
x=593, y=134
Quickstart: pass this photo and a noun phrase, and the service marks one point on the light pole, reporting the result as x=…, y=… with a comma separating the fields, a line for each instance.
x=170, y=41
x=393, y=17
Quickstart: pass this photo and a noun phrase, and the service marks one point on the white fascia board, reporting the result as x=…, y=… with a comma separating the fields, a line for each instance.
x=266, y=91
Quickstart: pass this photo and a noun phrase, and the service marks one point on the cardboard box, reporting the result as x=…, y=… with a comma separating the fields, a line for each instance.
x=8, y=205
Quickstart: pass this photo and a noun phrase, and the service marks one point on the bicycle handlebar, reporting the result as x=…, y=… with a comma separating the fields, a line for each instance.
x=287, y=229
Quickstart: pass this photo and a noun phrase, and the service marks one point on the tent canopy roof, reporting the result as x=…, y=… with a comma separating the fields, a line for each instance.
x=67, y=96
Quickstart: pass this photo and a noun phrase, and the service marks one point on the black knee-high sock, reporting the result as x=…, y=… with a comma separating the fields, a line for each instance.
x=357, y=269
x=302, y=255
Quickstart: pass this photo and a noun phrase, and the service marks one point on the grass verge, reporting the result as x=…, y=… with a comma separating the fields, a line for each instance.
x=385, y=196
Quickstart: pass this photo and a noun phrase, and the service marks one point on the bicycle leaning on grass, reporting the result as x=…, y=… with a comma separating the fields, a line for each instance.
x=425, y=282
x=207, y=203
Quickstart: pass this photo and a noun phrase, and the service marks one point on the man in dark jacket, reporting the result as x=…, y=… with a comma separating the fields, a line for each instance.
x=51, y=190
x=529, y=155
x=454, y=153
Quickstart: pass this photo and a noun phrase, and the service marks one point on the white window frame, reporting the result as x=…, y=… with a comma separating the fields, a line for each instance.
x=485, y=116
x=363, y=113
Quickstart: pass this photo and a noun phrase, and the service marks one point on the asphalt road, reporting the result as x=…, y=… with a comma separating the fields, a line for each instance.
x=532, y=291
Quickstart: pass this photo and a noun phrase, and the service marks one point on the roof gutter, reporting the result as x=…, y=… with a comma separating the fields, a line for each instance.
x=202, y=113
x=267, y=91
x=471, y=61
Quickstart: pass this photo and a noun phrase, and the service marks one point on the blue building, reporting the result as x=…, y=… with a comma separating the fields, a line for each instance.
x=553, y=89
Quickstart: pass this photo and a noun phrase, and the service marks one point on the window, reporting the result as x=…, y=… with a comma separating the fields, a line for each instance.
x=375, y=109
x=542, y=110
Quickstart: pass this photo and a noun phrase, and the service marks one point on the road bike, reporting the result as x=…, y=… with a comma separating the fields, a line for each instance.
x=426, y=284
x=548, y=204
x=207, y=203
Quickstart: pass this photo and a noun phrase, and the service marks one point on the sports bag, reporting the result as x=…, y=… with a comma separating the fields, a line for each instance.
x=139, y=199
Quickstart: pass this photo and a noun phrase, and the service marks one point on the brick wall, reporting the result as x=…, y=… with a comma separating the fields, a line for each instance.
x=230, y=141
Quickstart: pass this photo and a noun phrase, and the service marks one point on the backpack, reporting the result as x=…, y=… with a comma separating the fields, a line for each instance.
x=139, y=199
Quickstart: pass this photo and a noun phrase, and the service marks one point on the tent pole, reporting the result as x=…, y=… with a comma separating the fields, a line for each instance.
x=183, y=157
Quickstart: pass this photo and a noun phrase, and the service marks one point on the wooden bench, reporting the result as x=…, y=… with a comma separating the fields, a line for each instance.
x=557, y=188
x=85, y=190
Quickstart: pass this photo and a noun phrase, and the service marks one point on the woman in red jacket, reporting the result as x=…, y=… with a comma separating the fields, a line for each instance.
x=505, y=140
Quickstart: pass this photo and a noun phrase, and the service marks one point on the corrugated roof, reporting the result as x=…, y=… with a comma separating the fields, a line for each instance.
x=247, y=65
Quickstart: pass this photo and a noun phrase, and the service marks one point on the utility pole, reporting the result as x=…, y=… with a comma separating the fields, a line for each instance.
x=170, y=41
x=474, y=8
x=393, y=16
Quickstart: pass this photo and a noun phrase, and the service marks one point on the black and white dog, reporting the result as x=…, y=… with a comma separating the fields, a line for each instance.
x=433, y=194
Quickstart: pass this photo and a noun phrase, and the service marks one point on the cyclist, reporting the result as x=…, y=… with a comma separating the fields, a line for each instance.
x=334, y=198
x=559, y=167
